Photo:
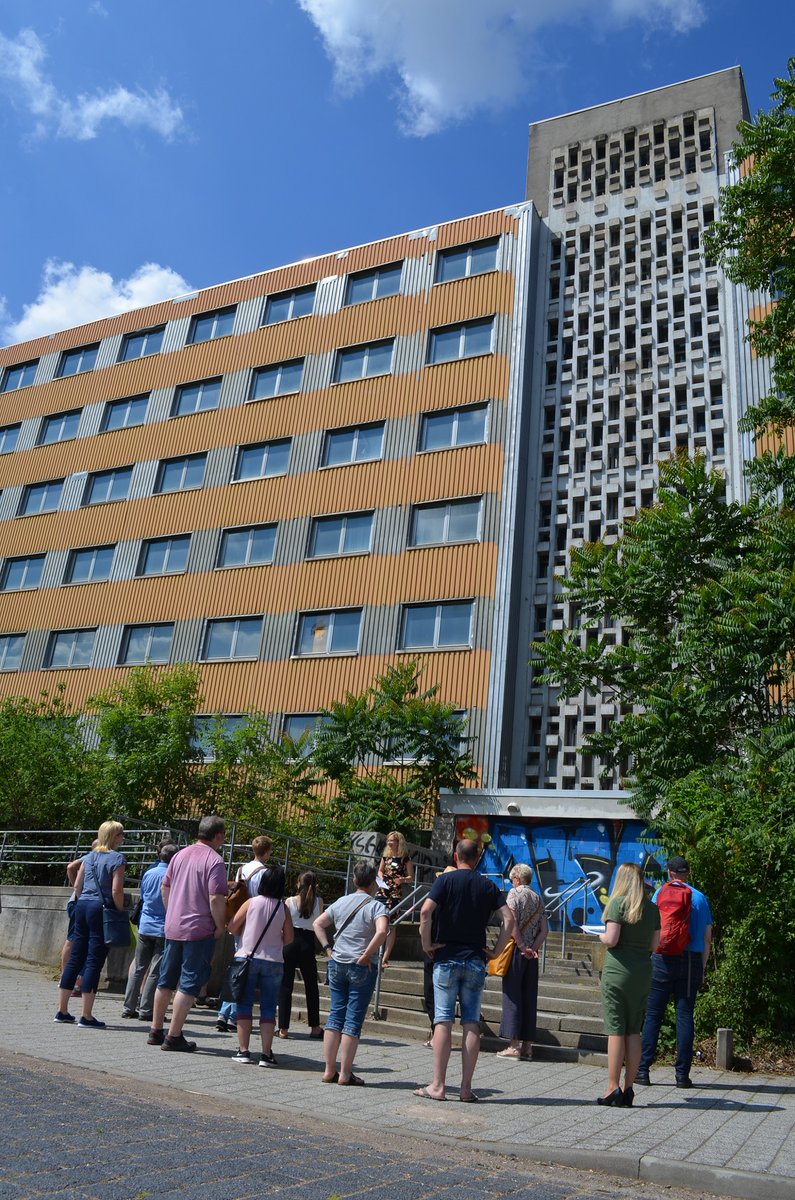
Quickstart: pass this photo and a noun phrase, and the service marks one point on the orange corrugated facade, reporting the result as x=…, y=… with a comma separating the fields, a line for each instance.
x=381, y=582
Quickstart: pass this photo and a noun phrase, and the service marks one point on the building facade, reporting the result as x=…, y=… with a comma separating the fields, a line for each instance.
x=385, y=453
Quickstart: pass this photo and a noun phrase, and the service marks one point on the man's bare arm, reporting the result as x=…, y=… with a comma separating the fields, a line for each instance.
x=218, y=909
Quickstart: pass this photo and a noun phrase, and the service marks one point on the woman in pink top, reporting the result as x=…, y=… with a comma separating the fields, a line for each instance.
x=265, y=920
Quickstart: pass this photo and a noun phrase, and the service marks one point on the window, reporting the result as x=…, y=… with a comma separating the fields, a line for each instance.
x=74, y=361
x=329, y=632
x=146, y=643
x=287, y=306
x=262, y=460
x=362, y=362
x=123, y=414
x=350, y=533
x=454, y=427
x=181, y=474
x=164, y=556
x=248, y=546
x=238, y=637
x=296, y=725
x=104, y=486
x=462, y=261
x=59, y=427
x=449, y=521
x=22, y=375
x=436, y=626
x=466, y=340
x=41, y=497
x=373, y=284
x=8, y=438
x=362, y=443
x=278, y=379
x=196, y=397
x=208, y=730
x=19, y=573
x=11, y=651
x=208, y=326
x=139, y=345
x=91, y=565
x=70, y=648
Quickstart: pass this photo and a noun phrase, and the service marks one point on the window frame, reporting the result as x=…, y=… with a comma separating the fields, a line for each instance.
x=109, y=472
x=24, y=511
x=212, y=314
x=436, y=645
x=276, y=370
x=238, y=478
x=6, y=638
x=462, y=327
x=447, y=253
x=7, y=429
x=212, y=622
x=375, y=274
x=170, y=538
x=145, y=334
x=199, y=385
x=115, y=405
x=346, y=353
x=52, y=642
x=42, y=440
x=455, y=410
x=23, y=367
x=331, y=614
x=72, y=558
x=220, y=565
x=123, y=659
x=341, y=552
x=292, y=293
x=24, y=586
x=449, y=506
x=78, y=353
x=355, y=429
x=185, y=459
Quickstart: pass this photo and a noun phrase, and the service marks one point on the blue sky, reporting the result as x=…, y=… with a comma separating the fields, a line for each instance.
x=155, y=147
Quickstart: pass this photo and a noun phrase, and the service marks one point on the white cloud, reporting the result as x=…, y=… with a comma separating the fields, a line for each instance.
x=453, y=57
x=73, y=295
x=24, y=80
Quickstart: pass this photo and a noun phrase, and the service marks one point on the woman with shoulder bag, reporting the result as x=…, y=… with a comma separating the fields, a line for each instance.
x=520, y=983
x=265, y=928
x=99, y=885
x=304, y=908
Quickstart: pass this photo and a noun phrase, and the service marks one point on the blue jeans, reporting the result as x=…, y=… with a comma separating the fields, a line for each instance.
x=680, y=976
x=186, y=965
x=88, y=946
x=351, y=987
x=266, y=978
x=458, y=980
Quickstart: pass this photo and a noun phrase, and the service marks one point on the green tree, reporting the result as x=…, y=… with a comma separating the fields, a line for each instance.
x=388, y=751
x=703, y=671
x=147, y=754
x=253, y=777
x=754, y=241
x=48, y=776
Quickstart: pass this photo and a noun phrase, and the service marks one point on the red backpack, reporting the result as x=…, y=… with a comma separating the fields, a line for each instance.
x=675, y=902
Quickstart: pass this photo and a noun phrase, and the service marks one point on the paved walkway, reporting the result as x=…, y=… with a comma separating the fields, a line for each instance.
x=733, y=1135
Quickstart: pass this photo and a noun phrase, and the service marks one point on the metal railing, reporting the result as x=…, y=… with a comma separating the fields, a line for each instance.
x=561, y=900
x=405, y=910
x=46, y=853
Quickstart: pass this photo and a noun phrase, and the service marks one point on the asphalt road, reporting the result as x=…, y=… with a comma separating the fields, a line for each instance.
x=72, y=1135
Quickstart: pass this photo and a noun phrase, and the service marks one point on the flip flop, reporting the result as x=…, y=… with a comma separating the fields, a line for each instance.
x=354, y=1081
x=470, y=1099
x=424, y=1094
x=508, y=1053
x=335, y=1078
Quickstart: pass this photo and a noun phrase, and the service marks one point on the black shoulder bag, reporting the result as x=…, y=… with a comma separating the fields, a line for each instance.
x=237, y=976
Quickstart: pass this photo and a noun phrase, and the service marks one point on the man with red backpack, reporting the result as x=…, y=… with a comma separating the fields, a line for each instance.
x=678, y=967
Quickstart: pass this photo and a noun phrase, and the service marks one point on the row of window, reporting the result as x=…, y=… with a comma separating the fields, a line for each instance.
x=446, y=625
x=440, y=523
x=460, y=262
x=263, y=460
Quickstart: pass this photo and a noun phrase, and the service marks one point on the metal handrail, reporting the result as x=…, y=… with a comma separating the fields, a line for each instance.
x=420, y=891
x=569, y=892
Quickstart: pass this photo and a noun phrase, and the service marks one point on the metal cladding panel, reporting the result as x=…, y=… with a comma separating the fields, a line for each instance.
x=176, y=334
x=417, y=275
x=10, y=500
x=91, y=420
x=108, y=352
x=186, y=645
x=158, y=409
x=32, y=660
x=107, y=646
x=125, y=560
x=278, y=635
x=29, y=431
x=143, y=480
x=54, y=569
x=468, y=299
x=248, y=315
x=235, y=389
x=409, y=353
x=474, y=229
x=317, y=371
x=48, y=365
x=389, y=530
x=72, y=494
x=292, y=541
x=220, y=464
x=203, y=551
x=329, y=295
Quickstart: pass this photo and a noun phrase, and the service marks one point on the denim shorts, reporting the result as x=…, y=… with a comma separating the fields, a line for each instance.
x=186, y=965
x=264, y=977
x=462, y=981
x=351, y=988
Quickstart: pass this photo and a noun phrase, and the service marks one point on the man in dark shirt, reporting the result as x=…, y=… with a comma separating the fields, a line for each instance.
x=453, y=924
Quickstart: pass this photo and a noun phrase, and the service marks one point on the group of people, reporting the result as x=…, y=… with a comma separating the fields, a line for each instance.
x=184, y=912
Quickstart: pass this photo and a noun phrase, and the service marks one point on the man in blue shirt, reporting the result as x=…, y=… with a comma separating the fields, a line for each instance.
x=151, y=939
x=680, y=976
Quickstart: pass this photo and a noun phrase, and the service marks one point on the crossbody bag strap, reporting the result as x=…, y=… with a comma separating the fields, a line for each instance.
x=350, y=917
x=265, y=930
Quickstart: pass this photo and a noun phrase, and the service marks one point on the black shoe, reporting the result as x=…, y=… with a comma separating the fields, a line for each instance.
x=156, y=1037
x=687, y=1082
x=628, y=1097
x=129, y=1014
x=614, y=1100
x=178, y=1043
x=221, y=1025
x=642, y=1078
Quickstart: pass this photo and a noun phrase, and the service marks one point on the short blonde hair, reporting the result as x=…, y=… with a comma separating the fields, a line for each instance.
x=107, y=834
x=401, y=843
x=521, y=872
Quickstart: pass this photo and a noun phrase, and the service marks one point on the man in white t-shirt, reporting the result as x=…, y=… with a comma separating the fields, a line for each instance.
x=262, y=848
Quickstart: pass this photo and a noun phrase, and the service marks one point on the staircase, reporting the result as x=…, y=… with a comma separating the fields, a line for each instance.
x=570, y=1023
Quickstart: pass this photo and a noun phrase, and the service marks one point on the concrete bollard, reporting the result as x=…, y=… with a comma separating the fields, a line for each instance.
x=724, y=1053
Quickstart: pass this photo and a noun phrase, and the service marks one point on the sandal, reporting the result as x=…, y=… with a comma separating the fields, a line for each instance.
x=284, y=1034
x=354, y=1081
x=509, y=1052
x=335, y=1078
